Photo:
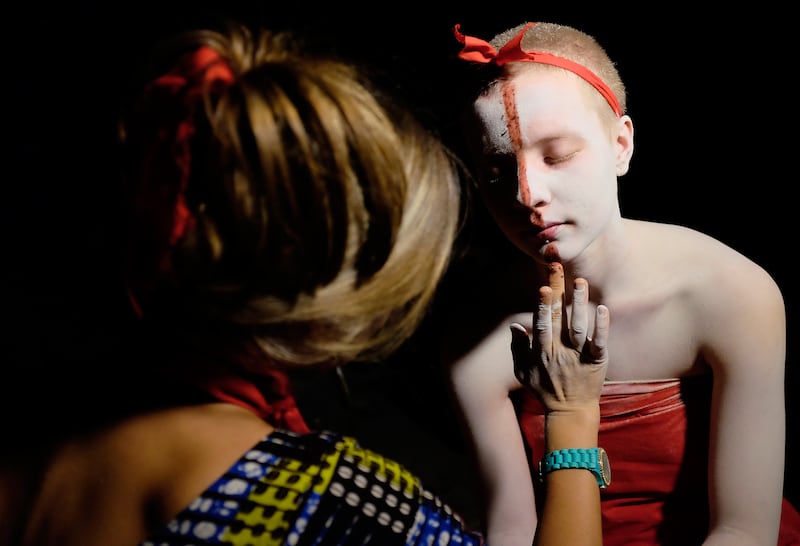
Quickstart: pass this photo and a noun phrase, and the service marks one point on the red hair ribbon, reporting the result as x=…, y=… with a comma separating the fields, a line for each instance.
x=480, y=51
x=173, y=100
x=188, y=80
x=176, y=98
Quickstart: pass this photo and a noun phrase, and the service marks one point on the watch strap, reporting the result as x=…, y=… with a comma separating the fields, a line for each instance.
x=586, y=458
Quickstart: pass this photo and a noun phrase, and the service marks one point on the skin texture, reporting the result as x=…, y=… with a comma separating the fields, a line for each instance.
x=112, y=485
x=683, y=303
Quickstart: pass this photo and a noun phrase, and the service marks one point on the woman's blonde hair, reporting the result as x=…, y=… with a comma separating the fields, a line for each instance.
x=322, y=217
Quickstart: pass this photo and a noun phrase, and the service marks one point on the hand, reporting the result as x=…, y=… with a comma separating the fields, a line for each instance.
x=566, y=371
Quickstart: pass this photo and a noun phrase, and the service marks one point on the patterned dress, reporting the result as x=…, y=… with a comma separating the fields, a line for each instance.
x=316, y=488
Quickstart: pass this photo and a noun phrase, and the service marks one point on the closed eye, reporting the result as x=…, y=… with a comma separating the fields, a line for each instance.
x=562, y=158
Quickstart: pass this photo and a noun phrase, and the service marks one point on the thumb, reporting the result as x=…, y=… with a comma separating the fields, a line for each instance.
x=519, y=337
x=520, y=346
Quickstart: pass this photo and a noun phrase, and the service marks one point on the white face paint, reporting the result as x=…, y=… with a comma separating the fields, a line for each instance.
x=494, y=124
x=549, y=164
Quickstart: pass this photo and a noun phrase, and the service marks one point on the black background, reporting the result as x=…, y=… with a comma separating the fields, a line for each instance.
x=715, y=150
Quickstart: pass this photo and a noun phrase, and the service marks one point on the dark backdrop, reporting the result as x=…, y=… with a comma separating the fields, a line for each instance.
x=715, y=144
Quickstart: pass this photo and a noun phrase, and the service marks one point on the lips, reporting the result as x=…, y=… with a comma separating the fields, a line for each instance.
x=549, y=231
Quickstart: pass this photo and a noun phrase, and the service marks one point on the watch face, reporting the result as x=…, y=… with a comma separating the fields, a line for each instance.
x=605, y=467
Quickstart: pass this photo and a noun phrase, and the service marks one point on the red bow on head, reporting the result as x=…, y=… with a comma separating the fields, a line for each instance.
x=480, y=51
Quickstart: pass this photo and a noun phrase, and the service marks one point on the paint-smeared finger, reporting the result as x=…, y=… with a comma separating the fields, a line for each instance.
x=556, y=283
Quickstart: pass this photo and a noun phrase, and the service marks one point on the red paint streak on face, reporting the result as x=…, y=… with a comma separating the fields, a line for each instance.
x=515, y=135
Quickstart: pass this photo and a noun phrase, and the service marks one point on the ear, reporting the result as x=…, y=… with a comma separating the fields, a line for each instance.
x=624, y=144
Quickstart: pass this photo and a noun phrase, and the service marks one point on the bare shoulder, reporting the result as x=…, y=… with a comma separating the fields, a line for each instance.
x=174, y=454
x=696, y=256
x=137, y=473
x=723, y=292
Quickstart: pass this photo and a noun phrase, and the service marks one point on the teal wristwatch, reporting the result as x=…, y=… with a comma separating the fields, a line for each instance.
x=592, y=459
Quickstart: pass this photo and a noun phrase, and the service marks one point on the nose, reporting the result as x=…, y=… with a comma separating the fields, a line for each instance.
x=532, y=190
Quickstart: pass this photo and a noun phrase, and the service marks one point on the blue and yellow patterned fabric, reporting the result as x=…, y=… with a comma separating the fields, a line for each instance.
x=315, y=489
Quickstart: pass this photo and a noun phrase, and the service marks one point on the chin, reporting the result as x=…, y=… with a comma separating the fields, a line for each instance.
x=536, y=250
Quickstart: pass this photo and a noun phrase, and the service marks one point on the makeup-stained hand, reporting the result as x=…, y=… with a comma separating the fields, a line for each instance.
x=559, y=360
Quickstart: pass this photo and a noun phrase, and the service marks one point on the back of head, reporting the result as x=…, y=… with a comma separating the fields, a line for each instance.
x=277, y=195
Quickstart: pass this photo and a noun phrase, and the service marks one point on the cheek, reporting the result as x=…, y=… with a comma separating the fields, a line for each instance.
x=593, y=184
x=501, y=197
x=495, y=204
x=594, y=202
x=499, y=204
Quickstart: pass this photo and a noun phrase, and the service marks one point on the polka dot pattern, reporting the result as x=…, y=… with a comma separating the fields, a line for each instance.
x=318, y=488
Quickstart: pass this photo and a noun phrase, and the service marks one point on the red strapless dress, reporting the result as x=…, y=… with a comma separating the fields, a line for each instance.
x=656, y=434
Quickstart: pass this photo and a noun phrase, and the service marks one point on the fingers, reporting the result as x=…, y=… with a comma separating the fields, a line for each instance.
x=600, y=336
x=556, y=283
x=520, y=352
x=565, y=372
x=519, y=337
x=544, y=321
x=550, y=319
x=579, y=327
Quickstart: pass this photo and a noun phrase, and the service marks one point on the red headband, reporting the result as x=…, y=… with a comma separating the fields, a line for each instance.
x=479, y=51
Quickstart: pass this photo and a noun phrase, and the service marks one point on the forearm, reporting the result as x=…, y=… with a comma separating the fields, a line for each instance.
x=511, y=509
x=571, y=514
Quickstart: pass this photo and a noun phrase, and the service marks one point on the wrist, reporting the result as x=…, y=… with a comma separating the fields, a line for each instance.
x=574, y=428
